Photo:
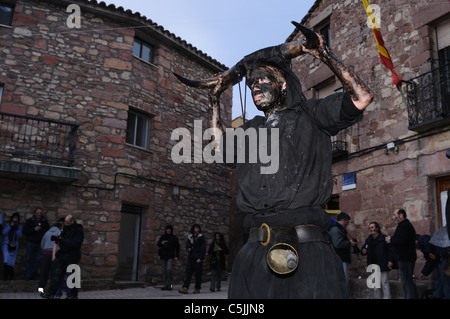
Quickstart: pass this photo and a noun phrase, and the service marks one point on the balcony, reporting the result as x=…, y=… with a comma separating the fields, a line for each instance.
x=338, y=150
x=37, y=149
x=428, y=99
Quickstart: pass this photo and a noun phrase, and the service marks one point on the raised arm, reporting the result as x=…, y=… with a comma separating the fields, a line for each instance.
x=359, y=92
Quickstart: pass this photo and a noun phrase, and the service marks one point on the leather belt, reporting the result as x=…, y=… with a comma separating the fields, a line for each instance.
x=305, y=233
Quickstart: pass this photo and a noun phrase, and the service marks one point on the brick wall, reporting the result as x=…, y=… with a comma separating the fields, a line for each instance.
x=90, y=77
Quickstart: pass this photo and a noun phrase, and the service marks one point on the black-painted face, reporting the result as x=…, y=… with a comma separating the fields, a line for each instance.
x=266, y=93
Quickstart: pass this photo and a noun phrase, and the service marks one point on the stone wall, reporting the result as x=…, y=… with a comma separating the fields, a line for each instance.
x=90, y=77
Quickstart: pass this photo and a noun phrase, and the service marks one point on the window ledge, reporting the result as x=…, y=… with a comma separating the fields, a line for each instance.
x=146, y=62
x=139, y=148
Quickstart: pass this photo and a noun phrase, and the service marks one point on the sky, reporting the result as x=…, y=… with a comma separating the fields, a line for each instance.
x=226, y=31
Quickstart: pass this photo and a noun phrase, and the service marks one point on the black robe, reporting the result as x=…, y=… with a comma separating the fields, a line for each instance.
x=293, y=195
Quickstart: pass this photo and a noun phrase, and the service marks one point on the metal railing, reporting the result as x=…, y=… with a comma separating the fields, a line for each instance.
x=36, y=140
x=428, y=97
x=338, y=146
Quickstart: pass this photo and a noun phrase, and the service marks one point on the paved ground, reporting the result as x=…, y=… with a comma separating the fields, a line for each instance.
x=151, y=292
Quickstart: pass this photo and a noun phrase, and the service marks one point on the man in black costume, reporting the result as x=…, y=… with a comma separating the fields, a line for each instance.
x=288, y=253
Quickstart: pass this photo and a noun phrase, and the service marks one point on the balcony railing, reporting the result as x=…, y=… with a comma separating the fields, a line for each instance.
x=339, y=150
x=37, y=141
x=428, y=99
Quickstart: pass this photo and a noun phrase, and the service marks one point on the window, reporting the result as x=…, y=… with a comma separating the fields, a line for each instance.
x=324, y=29
x=6, y=14
x=143, y=50
x=138, y=125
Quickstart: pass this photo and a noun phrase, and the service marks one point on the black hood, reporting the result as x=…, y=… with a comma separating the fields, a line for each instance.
x=273, y=56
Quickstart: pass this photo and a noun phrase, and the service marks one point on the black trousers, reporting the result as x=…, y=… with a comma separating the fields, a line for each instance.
x=58, y=276
x=193, y=267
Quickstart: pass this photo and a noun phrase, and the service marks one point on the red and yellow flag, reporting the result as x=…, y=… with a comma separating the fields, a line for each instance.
x=382, y=51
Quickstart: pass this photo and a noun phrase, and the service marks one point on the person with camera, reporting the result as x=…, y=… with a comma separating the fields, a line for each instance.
x=69, y=242
x=169, y=250
x=196, y=248
x=47, y=260
x=12, y=232
x=34, y=229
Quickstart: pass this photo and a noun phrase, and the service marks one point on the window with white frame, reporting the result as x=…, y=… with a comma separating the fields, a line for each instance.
x=143, y=50
x=138, y=128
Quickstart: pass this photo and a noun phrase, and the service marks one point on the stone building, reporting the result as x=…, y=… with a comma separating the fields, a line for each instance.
x=396, y=156
x=88, y=105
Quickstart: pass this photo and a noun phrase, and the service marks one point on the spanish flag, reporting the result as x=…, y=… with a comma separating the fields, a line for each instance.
x=383, y=52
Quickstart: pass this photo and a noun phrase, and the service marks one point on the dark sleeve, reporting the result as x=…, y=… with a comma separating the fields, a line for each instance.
x=211, y=248
x=159, y=243
x=333, y=113
x=401, y=235
x=75, y=241
x=45, y=225
x=391, y=254
x=203, y=247
x=177, y=247
x=365, y=246
x=225, y=249
x=28, y=228
x=339, y=239
x=349, y=111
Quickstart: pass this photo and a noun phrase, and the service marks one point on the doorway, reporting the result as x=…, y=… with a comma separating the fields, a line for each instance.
x=442, y=185
x=129, y=238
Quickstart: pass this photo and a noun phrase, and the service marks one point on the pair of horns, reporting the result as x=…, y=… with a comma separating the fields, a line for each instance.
x=231, y=76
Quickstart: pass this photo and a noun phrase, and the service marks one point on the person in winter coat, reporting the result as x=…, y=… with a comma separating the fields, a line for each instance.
x=341, y=243
x=69, y=253
x=404, y=245
x=435, y=260
x=12, y=232
x=196, y=248
x=47, y=246
x=379, y=252
x=34, y=229
x=217, y=251
x=169, y=250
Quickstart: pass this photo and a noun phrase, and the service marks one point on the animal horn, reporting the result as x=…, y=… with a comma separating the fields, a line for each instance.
x=229, y=77
x=293, y=49
x=232, y=76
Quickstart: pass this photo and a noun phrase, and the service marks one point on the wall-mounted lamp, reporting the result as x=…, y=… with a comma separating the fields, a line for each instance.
x=391, y=147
